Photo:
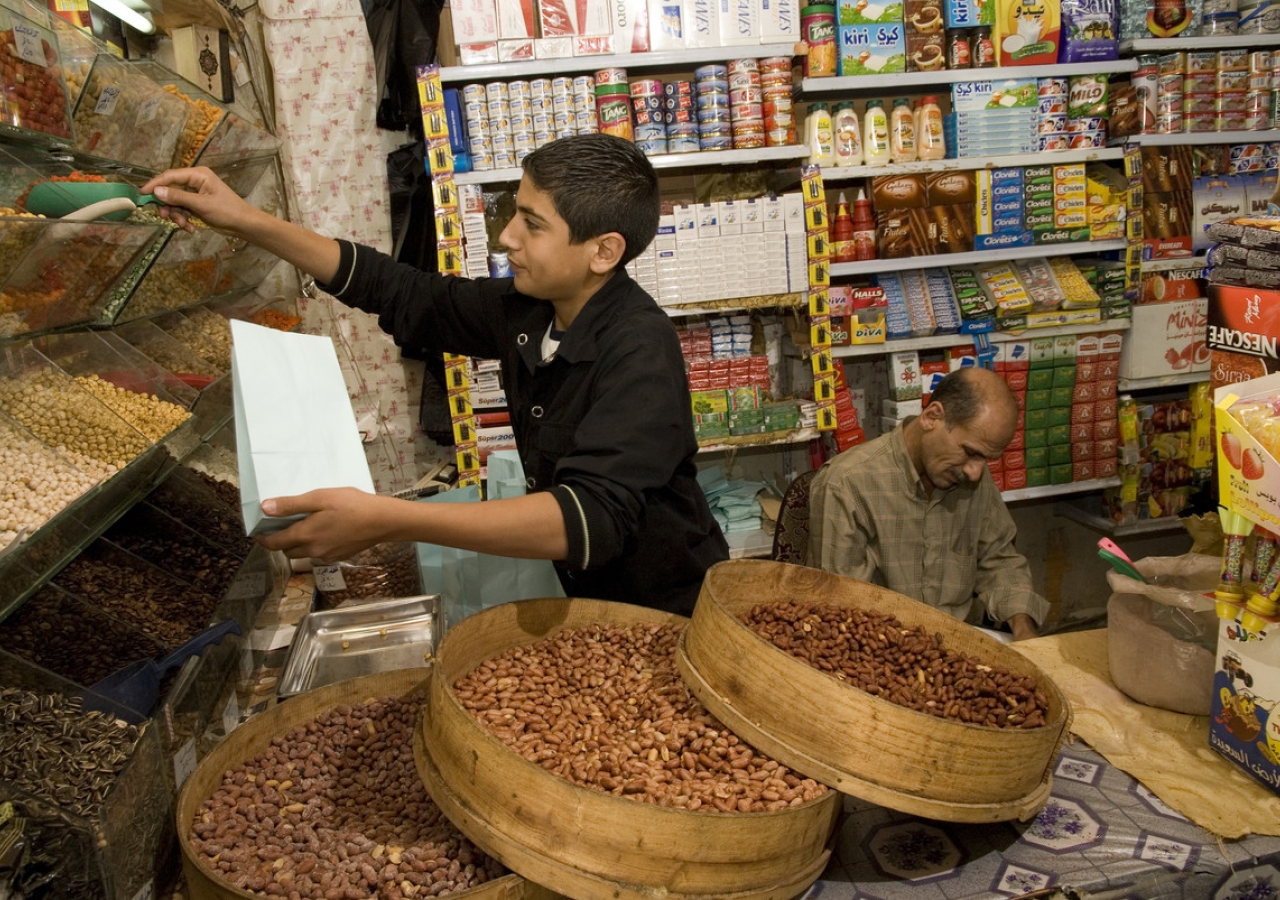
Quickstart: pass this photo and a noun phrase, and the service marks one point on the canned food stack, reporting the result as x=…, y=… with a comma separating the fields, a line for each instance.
x=498, y=105
x=475, y=114
x=779, y=114
x=1205, y=91
x=613, y=103
x=680, y=115
x=715, y=129
x=585, y=120
x=649, y=116
x=1052, y=126
x=520, y=97
x=746, y=104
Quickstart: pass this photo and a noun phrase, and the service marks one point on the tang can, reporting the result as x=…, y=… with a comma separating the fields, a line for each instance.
x=499, y=265
x=646, y=87
x=497, y=90
x=611, y=76
x=614, y=114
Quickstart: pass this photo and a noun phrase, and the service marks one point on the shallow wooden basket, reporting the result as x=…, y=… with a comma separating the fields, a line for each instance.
x=853, y=741
x=255, y=736
x=584, y=843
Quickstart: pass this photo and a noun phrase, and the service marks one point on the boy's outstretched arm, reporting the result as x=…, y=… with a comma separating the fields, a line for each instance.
x=199, y=192
x=341, y=522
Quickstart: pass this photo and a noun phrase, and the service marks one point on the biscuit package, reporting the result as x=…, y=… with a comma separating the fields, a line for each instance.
x=1090, y=30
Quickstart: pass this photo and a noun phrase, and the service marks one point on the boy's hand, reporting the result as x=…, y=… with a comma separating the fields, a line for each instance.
x=200, y=192
x=339, y=523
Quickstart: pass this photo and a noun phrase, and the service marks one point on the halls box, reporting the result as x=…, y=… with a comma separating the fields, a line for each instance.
x=1244, y=724
x=1167, y=339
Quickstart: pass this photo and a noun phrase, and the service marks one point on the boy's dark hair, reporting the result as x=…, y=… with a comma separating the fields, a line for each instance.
x=599, y=183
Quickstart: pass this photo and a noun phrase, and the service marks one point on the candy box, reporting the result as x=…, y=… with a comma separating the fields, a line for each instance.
x=1248, y=472
x=1245, y=724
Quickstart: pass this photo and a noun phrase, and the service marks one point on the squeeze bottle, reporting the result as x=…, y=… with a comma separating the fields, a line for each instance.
x=875, y=144
x=864, y=228
x=818, y=135
x=847, y=137
x=842, y=232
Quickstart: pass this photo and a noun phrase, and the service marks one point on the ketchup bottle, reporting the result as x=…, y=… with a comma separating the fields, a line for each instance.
x=864, y=228
x=842, y=232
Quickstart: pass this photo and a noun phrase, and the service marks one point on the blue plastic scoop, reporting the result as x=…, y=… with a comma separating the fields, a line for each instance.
x=131, y=693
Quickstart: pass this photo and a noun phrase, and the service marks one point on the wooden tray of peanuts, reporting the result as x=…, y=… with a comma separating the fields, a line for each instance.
x=873, y=693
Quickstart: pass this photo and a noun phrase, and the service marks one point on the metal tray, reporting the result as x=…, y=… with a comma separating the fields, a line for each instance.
x=362, y=639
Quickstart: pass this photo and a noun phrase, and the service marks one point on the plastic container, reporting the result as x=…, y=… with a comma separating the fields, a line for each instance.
x=842, y=247
x=902, y=132
x=819, y=135
x=382, y=572
x=848, y=135
x=818, y=28
x=864, y=228
x=932, y=142
x=875, y=130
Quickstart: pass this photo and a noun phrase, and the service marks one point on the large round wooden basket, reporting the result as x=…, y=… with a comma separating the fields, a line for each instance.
x=255, y=736
x=851, y=740
x=588, y=844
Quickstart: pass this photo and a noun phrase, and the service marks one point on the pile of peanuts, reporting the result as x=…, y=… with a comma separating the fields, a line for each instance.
x=55, y=409
x=146, y=412
x=873, y=652
x=200, y=123
x=604, y=707
x=335, y=810
x=35, y=483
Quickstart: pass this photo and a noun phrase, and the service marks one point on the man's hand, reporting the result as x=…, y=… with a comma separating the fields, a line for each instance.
x=1023, y=627
x=339, y=523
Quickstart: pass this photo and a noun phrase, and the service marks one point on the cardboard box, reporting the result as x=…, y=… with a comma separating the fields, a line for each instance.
x=1244, y=724
x=1243, y=333
x=871, y=49
x=1167, y=339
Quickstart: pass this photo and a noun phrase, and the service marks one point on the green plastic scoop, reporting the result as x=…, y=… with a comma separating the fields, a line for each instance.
x=62, y=198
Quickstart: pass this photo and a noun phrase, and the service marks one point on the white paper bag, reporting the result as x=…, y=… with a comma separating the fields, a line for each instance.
x=295, y=429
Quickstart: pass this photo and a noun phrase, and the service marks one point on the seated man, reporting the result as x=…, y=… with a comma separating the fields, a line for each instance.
x=916, y=510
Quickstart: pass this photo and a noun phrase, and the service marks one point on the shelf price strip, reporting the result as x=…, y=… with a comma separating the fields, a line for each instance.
x=819, y=252
x=444, y=194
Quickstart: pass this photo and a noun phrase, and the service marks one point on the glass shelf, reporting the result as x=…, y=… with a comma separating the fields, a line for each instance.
x=1063, y=157
x=700, y=159
x=942, y=341
x=1057, y=490
x=648, y=61
x=905, y=80
x=976, y=257
x=751, y=442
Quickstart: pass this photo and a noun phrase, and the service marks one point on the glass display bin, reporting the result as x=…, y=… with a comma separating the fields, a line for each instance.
x=185, y=272
x=64, y=273
x=216, y=135
x=190, y=497
x=104, y=823
x=76, y=53
x=152, y=341
x=204, y=332
x=35, y=107
x=179, y=550
x=124, y=115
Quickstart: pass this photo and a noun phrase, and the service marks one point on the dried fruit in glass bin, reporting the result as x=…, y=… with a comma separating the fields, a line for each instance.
x=271, y=318
x=76, y=177
x=34, y=97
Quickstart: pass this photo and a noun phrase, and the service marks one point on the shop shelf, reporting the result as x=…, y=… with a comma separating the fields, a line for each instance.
x=1063, y=157
x=872, y=266
x=1090, y=515
x=789, y=300
x=849, y=84
x=1191, y=42
x=1162, y=381
x=1171, y=265
x=68, y=273
x=1202, y=138
x=648, y=62
x=698, y=160
x=115, y=843
x=940, y=341
x=1058, y=490
x=776, y=439
x=124, y=115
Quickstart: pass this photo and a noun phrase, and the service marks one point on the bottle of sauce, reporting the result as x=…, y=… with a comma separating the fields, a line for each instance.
x=932, y=142
x=818, y=135
x=902, y=132
x=842, y=232
x=875, y=142
x=847, y=137
x=864, y=228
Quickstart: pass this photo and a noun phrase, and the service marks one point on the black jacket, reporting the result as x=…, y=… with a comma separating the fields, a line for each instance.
x=605, y=424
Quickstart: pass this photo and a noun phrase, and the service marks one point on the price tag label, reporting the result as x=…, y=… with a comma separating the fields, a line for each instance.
x=107, y=100
x=329, y=578
x=30, y=45
x=184, y=762
x=147, y=110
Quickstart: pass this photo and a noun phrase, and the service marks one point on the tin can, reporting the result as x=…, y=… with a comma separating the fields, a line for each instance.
x=714, y=71
x=1052, y=87
x=646, y=87
x=497, y=90
x=818, y=31
x=614, y=114
x=474, y=92
x=519, y=90
x=745, y=95
x=499, y=265
x=716, y=142
x=1054, y=142
x=740, y=80
x=652, y=146
x=611, y=76
x=585, y=84
x=959, y=49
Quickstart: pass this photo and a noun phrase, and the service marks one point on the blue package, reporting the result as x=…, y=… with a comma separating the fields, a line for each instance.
x=1089, y=30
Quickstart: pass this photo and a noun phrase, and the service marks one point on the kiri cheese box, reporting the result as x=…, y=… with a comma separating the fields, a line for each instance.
x=868, y=12
x=871, y=49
